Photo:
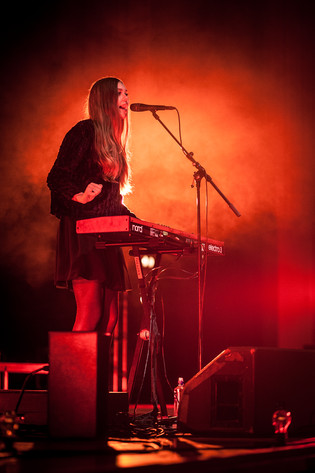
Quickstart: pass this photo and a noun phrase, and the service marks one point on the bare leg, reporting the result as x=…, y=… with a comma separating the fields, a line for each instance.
x=110, y=315
x=89, y=301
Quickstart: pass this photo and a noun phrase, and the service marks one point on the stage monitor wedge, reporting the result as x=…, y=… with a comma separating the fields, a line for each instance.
x=240, y=389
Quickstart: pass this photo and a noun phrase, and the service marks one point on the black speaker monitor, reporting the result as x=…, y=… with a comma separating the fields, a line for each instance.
x=240, y=389
x=78, y=384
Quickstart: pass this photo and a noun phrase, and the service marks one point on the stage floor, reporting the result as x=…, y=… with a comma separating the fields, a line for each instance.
x=144, y=448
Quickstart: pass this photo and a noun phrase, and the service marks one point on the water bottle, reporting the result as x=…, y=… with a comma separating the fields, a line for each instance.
x=178, y=392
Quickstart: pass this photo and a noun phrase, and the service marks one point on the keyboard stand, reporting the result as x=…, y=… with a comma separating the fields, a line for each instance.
x=147, y=349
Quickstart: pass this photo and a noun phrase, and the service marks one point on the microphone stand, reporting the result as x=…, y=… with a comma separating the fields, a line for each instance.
x=198, y=176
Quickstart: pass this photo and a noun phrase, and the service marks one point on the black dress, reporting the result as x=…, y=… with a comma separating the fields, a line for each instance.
x=76, y=257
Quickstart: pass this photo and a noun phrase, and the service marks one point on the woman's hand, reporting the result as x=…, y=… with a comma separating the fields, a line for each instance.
x=91, y=191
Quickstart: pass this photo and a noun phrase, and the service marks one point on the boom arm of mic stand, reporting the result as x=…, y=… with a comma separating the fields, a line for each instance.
x=198, y=175
x=201, y=171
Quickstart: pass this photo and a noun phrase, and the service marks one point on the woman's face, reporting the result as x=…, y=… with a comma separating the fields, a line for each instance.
x=123, y=100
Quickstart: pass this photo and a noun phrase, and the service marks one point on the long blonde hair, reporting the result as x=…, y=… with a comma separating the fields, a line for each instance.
x=111, y=131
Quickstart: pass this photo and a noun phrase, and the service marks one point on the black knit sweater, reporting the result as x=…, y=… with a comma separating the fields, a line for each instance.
x=75, y=167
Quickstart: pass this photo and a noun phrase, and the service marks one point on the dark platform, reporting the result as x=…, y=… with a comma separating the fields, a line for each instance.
x=162, y=450
x=146, y=444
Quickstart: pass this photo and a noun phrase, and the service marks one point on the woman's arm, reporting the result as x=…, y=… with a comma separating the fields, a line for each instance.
x=65, y=179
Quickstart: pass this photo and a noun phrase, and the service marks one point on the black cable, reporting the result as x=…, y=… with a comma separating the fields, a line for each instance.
x=28, y=377
x=179, y=127
x=147, y=357
x=162, y=345
x=142, y=381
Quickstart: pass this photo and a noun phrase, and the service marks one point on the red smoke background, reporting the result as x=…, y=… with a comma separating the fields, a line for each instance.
x=242, y=77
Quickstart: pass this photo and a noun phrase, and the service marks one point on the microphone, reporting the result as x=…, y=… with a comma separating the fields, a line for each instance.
x=142, y=107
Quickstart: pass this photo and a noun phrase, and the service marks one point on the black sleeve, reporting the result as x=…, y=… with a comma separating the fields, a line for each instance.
x=63, y=179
